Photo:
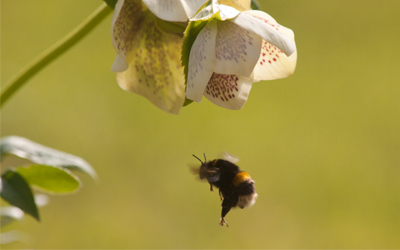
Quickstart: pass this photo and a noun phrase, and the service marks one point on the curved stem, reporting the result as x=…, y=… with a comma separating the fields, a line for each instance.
x=53, y=52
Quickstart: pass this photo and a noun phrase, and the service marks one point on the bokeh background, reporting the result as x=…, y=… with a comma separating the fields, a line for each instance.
x=323, y=145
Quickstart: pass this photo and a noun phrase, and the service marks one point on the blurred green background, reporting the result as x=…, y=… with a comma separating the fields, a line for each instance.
x=322, y=145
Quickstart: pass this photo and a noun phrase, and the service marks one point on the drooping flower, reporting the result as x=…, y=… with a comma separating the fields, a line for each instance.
x=148, y=59
x=174, y=10
x=233, y=50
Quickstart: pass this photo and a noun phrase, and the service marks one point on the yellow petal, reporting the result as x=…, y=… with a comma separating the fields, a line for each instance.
x=153, y=57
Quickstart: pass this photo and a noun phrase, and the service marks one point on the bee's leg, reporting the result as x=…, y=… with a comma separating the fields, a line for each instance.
x=225, y=209
x=211, y=188
x=220, y=196
x=222, y=222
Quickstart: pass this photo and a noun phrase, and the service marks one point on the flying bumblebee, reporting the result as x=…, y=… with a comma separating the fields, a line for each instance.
x=236, y=188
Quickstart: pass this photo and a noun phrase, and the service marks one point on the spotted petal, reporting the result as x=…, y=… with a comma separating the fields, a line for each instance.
x=267, y=32
x=153, y=57
x=228, y=91
x=201, y=61
x=118, y=32
x=174, y=10
x=273, y=63
x=237, y=50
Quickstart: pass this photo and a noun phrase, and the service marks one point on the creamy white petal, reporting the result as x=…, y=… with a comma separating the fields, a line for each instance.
x=119, y=64
x=174, y=10
x=273, y=63
x=228, y=91
x=168, y=10
x=203, y=14
x=192, y=6
x=227, y=12
x=236, y=49
x=266, y=31
x=267, y=19
x=201, y=61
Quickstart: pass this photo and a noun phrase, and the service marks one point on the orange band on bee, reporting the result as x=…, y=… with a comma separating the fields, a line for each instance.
x=240, y=177
x=215, y=162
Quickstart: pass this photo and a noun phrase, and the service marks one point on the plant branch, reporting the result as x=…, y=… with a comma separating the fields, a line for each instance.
x=54, y=52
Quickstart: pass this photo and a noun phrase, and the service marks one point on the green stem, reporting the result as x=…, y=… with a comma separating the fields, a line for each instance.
x=53, y=52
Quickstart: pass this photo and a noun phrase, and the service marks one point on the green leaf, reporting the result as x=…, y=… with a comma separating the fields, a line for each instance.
x=187, y=102
x=40, y=154
x=16, y=191
x=191, y=33
x=50, y=179
x=111, y=3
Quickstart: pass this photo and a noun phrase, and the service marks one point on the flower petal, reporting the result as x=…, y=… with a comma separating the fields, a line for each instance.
x=118, y=32
x=237, y=50
x=192, y=6
x=168, y=10
x=266, y=31
x=204, y=14
x=201, y=61
x=174, y=10
x=119, y=64
x=273, y=63
x=227, y=12
x=228, y=91
x=153, y=57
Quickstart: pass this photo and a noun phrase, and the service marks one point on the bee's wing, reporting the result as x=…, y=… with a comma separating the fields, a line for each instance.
x=229, y=157
x=194, y=169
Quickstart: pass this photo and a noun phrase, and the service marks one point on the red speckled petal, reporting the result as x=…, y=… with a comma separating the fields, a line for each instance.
x=201, y=62
x=237, y=50
x=265, y=31
x=273, y=63
x=228, y=91
x=154, y=68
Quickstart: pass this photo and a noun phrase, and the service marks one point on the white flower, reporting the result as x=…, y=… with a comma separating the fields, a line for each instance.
x=149, y=59
x=233, y=50
x=174, y=10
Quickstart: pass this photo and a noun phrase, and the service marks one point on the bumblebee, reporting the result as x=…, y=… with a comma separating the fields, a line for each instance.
x=236, y=188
